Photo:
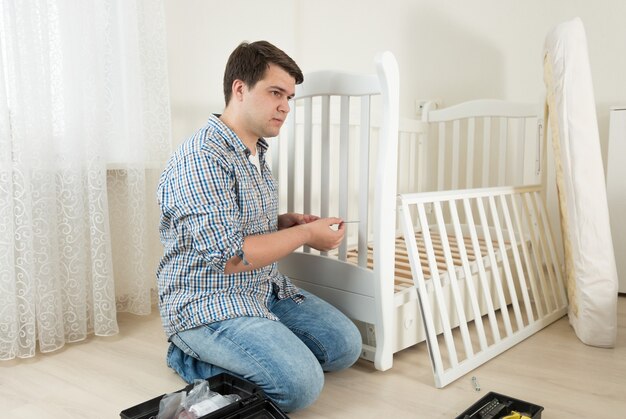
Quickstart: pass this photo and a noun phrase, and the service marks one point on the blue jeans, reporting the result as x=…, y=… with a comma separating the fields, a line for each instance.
x=286, y=358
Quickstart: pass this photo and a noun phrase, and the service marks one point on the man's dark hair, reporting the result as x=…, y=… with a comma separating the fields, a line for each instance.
x=249, y=61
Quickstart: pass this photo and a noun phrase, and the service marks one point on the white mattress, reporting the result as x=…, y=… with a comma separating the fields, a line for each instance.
x=590, y=262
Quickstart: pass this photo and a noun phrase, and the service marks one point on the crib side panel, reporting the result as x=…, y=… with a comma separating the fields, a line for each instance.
x=337, y=156
x=485, y=269
x=476, y=144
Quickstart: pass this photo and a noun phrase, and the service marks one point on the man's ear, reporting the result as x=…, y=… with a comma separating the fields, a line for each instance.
x=238, y=89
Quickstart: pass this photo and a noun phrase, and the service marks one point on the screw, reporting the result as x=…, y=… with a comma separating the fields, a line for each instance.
x=475, y=383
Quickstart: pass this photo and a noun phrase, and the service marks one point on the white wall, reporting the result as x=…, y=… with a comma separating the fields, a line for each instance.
x=451, y=50
x=201, y=35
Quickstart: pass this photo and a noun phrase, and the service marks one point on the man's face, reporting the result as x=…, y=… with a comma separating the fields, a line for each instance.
x=266, y=105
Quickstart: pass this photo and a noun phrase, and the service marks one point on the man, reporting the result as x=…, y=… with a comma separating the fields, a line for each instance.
x=223, y=302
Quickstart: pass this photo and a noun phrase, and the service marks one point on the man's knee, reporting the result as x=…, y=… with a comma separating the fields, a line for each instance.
x=297, y=388
x=346, y=348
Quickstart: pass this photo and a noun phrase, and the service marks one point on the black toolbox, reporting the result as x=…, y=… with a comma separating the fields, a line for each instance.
x=497, y=406
x=254, y=404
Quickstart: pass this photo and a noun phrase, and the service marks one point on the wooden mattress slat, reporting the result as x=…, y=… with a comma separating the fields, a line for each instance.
x=403, y=276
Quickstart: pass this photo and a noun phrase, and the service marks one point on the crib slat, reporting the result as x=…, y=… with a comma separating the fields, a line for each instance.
x=517, y=207
x=494, y=263
x=441, y=157
x=551, y=281
x=550, y=303
x=547, y=229
x=344, y=150
x=502, y=161
x=456, y=293
x=435, y=279
x=400, y=166
x=486, y=145
x=505, y=263
x=470, y=285
x=291, y=170
x=274, y=161
x=421, y=168
x=482, y=274
x=364, y=147
x=553, y=293
x=469, y=159
x=520, y=219
x=519, y=161
x=539, y=289
x=308, y=151
x=325, y=158
x=539, y=161
x=516, y=257
x=420, y=282
x=456, y=139
x=413, y=161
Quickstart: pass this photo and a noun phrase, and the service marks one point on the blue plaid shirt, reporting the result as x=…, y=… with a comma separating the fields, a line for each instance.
x=212, y=197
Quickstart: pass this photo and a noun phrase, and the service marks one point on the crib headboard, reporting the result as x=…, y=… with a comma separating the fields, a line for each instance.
x=337, y=154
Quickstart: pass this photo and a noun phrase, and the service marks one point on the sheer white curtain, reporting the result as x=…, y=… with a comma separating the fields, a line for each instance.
x=84, y=128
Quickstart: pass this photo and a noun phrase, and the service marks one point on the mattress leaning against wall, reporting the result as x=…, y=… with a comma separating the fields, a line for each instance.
x=589, y=257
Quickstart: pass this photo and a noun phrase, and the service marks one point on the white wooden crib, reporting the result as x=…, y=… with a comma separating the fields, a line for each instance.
x=345, y=152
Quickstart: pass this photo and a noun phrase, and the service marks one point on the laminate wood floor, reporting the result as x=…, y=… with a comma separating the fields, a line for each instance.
x=100, y=377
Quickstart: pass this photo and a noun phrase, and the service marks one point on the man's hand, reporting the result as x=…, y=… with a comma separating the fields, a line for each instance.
x=291, y=219
x=322, y=235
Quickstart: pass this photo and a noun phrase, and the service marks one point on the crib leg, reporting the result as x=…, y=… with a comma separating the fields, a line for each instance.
x=383, y=360
x=383, y=356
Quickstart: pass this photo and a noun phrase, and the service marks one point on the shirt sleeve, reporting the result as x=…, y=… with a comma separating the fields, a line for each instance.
x=208, y=214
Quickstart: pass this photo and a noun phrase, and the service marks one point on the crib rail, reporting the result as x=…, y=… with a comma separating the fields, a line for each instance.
x=476, y=144
x=518, y=282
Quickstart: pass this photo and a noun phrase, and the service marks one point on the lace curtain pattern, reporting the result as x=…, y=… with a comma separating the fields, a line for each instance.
x=84, y=131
